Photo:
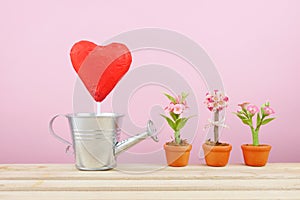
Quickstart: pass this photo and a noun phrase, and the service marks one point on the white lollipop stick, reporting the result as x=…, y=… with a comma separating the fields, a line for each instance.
x=98, y=108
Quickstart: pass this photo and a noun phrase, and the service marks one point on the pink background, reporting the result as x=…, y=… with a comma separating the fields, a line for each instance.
x=255, y=45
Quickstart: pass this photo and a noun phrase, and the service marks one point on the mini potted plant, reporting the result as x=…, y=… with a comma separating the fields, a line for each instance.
x=255, y=154
x=177, y=150
x=216, y=153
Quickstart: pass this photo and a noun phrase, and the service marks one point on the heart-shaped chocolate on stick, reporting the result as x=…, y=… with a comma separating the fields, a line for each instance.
x=100, y=67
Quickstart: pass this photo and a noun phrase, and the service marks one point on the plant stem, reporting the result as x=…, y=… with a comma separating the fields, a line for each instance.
x=256, y=131
x=255, y=137
x=177, y=137
x=216, y=128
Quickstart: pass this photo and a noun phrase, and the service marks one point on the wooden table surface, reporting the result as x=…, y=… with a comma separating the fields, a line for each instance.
x=63, y=181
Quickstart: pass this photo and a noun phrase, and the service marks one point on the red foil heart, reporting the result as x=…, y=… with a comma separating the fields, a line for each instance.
x=100, y=67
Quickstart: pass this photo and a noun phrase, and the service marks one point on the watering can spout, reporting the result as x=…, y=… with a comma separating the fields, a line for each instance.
x=126, y=144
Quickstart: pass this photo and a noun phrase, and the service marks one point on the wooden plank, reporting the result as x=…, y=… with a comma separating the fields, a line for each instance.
x=56, y=181
x=143, y=167
x=166, y=175
x=68, y=172
x=147, y=195
x=148, y=185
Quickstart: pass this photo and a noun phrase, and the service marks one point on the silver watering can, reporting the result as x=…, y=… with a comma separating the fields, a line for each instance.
x=95, y=139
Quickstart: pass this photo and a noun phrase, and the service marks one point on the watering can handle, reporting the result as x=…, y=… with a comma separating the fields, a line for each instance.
x=54, y=134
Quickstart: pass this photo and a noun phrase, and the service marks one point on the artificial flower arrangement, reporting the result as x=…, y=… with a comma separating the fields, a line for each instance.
x=216, y=153
x=177, y=150
x=216, y=101
x=255, y=154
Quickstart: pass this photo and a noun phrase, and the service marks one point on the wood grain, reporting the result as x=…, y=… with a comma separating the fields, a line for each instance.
x=64, y=181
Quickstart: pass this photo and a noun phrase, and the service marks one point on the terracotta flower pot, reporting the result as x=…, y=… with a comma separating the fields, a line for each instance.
x=256, y=156
x=216, y=156
x=177, y=156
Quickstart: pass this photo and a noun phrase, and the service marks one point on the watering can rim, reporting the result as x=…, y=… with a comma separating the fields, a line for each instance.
x=88, y=115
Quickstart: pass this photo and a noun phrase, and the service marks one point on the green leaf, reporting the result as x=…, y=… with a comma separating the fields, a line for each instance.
x=241, y=112
x=184, y=96
x=239, y=115
x=172, y=99
x=174, y=116
x=170, y=122
x=242, y=117
x=258, y=120
x=267, y=121
x=181, y=122
x=246, y=121
x=246, y=113
x=262, y=111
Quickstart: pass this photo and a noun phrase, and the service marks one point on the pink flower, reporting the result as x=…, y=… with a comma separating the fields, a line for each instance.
x=226, y=99
x=178, y=109
x=185, y=104
x=210, y=106
x=209, y=98
x=178, y=99
x=216, y=101
x=244, y=105
x=253, y=109
x=268, y=110
x=170, y=107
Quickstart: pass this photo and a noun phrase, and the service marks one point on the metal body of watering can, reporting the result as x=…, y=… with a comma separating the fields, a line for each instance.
x=95, y=139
